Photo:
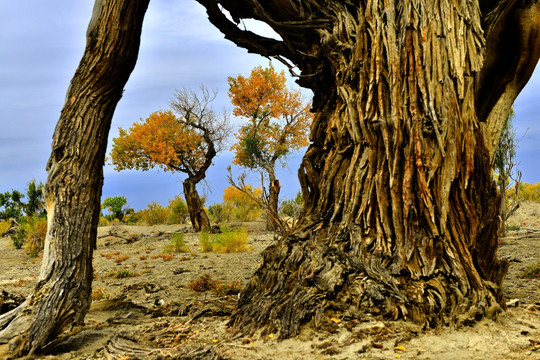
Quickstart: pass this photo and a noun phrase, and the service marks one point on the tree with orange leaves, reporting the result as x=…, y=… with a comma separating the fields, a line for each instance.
x=277, y=123
x=185, y=143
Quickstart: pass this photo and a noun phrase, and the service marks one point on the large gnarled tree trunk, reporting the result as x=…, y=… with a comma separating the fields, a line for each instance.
x=61, y=298
x=401, y=213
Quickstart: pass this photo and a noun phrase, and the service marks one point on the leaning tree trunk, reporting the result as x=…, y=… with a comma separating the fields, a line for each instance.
x=197, y=214
x=61, y=298
x=401, y=213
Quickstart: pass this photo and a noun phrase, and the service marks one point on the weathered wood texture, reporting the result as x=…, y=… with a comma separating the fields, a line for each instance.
x=61, y=297
x=400, y=214
x=197, y=214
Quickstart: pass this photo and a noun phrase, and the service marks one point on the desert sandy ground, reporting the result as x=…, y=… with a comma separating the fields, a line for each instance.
x=154, y=314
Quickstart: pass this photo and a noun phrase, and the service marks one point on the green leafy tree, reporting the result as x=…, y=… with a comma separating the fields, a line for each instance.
x=116, y=206
x=36, y=203
x=11, y=205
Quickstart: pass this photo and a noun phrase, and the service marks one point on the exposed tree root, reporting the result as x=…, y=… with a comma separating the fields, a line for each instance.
x=304, y=282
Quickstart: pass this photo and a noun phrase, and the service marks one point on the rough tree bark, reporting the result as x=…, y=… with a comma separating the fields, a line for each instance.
x=273, y=197
x=273, y=203
x=61, y=298
x=197, y=214
x=400, y=216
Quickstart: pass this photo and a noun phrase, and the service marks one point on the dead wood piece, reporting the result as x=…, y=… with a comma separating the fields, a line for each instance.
x=123, y=345
x=12, y=230
x=135, y=347
x=9, y=301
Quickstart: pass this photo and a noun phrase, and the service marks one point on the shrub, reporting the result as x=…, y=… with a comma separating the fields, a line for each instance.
x=206, y=283
x=230, y=241
x=513, y=227
x=206, y=242
x=17, y=241
x=122, y=273
x=221, y=212
x=245, y=209
x=232, y=288
x=36, y=231
x=121, y=258
x=130, y=217
x=103, y=221
x=4, y=226
x=530, y=192
x=100, y=294
x=178, y=211
x=178, y=244
x=531, y=272
x=292, y=207
x=201, y=284
x=31, y=235
x=154, y=214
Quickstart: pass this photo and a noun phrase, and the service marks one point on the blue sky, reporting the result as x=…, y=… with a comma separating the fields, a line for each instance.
x=41, y=43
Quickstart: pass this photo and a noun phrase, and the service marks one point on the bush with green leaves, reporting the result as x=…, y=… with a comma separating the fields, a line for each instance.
x=221, y=212
x=228, y=241
x=531, y=272
x=178, y=211
x=292, y=207
x=177, y=245
x=31, y=235
x=154, y=214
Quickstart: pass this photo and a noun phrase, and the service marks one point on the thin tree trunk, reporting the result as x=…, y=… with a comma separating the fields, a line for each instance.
x=197, y=214
x=504, y=201
x=61, y=298
x=273, y=199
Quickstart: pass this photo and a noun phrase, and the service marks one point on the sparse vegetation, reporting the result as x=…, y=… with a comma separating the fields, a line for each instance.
x=206, y=283
x=531, y=272
x=178, y=211
x=177, y=245
x=513, y=227
x=121, y=258
x=154, y=214
x=220, y=212
x=292, y=207
x=116, y=207
x=240, y=205
x=206, y=242
x=4, y=225
x=122, y=273
x=528, y=192
x=228, y=241
x=31, y=235
x=100, y=294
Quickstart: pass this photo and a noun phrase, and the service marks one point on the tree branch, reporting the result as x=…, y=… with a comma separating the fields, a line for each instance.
x=512, y=31
x=252, y=42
